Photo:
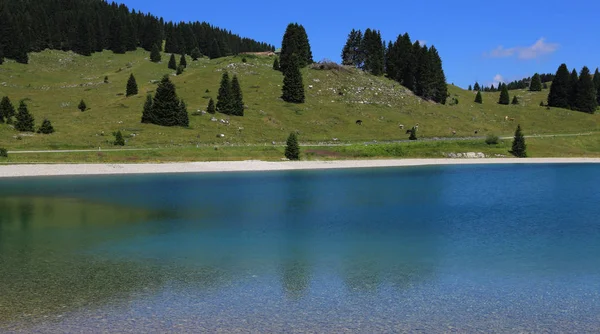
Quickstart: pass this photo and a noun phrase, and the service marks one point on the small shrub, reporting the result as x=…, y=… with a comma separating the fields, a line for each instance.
x=492, y=139
x=3, y=152
x=119, y=140
x=327, y=65
x=46, y=127
x=542, y=104
x=180, y=69
x=244, y=60
x=82, y=106
x=106, y=79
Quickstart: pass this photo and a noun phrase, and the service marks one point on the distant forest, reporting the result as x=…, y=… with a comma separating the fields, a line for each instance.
x=517, y=84
x=88, y=26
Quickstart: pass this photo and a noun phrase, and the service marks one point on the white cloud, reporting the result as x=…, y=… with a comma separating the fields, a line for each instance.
x=538, y=49
x=498, y=79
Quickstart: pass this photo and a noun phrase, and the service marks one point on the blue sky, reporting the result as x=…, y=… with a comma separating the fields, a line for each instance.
x=477, y=40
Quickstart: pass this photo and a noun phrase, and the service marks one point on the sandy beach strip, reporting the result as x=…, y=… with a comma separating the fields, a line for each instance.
x=20, y=170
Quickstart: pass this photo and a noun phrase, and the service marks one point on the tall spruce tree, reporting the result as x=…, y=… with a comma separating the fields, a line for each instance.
x=237, y=102
x=155, y=56
x=573, y=80
x=350, y=48
x=536, y=83
x=519, y=148
x=7, y=110
x=147, y=115
x=224, y=97
x=293, y=86
x=295, y=42
x=182, y=61
x=586, y=93
x=167, y=109
x=559, y=91
x=476, y=86
x=172, y=62
x=372, y=46
x=211, y=106
x=504, y=97
x=292, y=149
x=132, y=88
x=597, y=85
x=478, y=98
x=24, y=120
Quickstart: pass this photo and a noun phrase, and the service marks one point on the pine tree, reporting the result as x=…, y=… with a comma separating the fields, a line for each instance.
x=7, y=110
x=295, y=42
x=276, y=64
x=519, y=149
x=119, y=139
x=536, y=83
x=293, y=87
x=292, y=149
x=82, y=106
x=132, y=88
x=504, y=97
x=211, y=107
x=224, y=98
x=24, y=121
x=478, y=98
x=586, y=93
x=349, y=48
x=179, y=70
x=172, y=62
x=413, y=134
x=147, y=116
x=166, y=109
x=46, y=127
x=476, y=87
x=515, y=100
x=182, y=61
x=573, y=80
x=237, y=103
x=470, y=88
x=195, y=54
x=155, y=56
x=559, y=91
x=214, y=50
x=597, y=85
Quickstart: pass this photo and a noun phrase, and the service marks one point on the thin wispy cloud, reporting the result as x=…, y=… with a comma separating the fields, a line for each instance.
x=498, y=79
x=538, y=49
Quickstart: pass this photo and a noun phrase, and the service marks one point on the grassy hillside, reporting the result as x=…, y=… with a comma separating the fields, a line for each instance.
x=54, y=82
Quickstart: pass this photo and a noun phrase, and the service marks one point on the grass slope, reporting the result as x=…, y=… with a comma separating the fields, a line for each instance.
x=54, y=82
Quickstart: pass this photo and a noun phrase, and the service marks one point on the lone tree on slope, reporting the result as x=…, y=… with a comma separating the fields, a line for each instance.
x=132, y=88
x=166, y=109
x=292, y=149
x=119, y=139
x=478, y=98
x=519, y=149
x=536, y=83
x=82, y=106
x=155, y=56
x=504, y=97
x=293, y=86
x=515, y=100
x=24, y=120
x=7, y=110
x=46, y=127
x=211, y=106
x=224, y=95
x=237, y=102
x=172, y=62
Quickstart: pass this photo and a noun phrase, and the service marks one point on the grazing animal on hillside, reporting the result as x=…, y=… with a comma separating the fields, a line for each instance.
x=401, y=126
x=453, y=132
x=476, y=131
x=358, y=122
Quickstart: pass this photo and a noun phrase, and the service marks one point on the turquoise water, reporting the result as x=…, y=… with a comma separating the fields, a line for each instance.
x=494, y=248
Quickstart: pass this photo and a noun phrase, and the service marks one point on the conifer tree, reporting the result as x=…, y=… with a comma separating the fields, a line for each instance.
x=119, y=140
x=214, y=50
x=519, y=149
x=559, y=91
x=7, y=110
x=195, y=54
x=182, y=61
x=585, y=99
x=413, y=134
x=166, y=109
x=476, y=87
x=597, y=85
x=82, y=106
x=224, y=98
x=515, y=100
x=211, y=107
x=504, y=97
x=470, y=88
x=132, y=88
x=276, y=64
x=536, y=83
x=24, y=120
x=573, y=80
x=147, y=111
x=292, y=149
x=478, y=98
x=293, y=86
x=172, y=62
x=155, y=56
x=180, y=70
x=46, y=127
x=295, y=42
x=237, y=103
x=350, y=48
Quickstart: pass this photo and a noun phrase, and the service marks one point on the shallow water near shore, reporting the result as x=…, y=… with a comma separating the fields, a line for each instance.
x=494, y=248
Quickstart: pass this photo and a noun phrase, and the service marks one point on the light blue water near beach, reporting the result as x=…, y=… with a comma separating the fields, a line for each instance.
x=493, y=248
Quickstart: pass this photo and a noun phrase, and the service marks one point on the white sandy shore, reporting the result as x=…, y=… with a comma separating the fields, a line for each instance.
x=253, y=165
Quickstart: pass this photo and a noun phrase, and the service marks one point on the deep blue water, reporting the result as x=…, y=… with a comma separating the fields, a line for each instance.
x=494, y=248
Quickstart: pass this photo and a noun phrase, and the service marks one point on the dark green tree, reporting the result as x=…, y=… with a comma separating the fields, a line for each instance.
x=180, y=70
x=195, y=54
x=46, y=127
x=172, y=62
x=224, y=97
x=559, y=91
x=478, y=98
x=119, y=140
x=147, y=111
x=7, y=110
x=292, y=149
x=476, y=87
x=413, y=134
x=293, y=86
x=166, y=109
x=597, y=85
x=24, y=121
x=351, y=47
x=132, y=88
x=211, y=107
x=182, y=61
x=536, y=83
x=504, y=97
x=83, y=41
x=276, y=64
x=295, y=42
x=586, y=93
x=82, y=106
x=237, y=102
x=155, y=56
x=372, y=47
x=519, y=149
x=3, y=152
x=470, y=88
x=573, y=80
x=515, y=100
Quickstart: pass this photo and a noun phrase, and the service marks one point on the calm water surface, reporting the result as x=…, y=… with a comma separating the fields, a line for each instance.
x=498, y=248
